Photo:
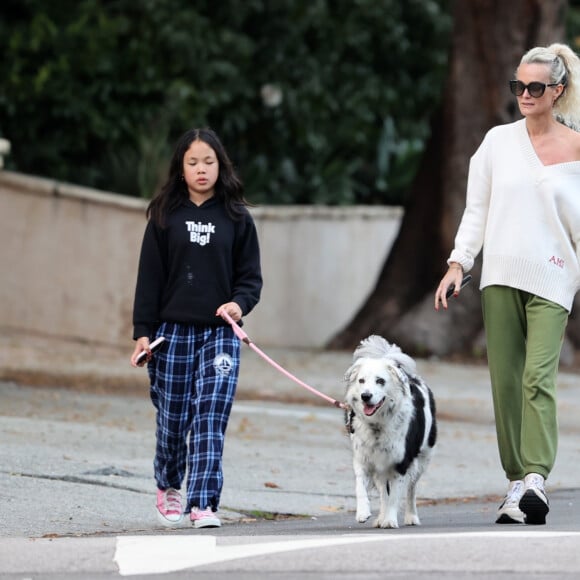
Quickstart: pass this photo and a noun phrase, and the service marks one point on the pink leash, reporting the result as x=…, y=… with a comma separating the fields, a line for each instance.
x=245, y=338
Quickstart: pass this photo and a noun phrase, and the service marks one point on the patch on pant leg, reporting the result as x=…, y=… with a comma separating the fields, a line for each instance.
x=223, y=364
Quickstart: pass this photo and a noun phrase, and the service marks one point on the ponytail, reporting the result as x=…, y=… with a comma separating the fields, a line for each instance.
x=564, y=67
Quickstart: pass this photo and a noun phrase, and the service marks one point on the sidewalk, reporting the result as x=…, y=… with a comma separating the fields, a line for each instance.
x=72, y=415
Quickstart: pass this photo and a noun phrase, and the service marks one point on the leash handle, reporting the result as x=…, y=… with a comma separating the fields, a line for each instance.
x=238, y=331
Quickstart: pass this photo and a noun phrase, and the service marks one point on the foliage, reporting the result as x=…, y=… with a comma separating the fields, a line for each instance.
x=573, y=24
x=318, y=101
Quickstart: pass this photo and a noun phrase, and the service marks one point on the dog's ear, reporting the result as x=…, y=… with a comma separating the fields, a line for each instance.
x=401, y=378
x=398, y=373
x=405, y=362
x=351, y=372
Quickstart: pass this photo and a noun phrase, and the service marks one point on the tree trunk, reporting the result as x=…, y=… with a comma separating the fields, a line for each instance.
x=489, y=39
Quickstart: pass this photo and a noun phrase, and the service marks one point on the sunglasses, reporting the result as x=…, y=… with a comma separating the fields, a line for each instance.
x=535, y=88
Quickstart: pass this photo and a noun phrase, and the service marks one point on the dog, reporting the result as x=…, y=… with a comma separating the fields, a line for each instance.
x=390, y=416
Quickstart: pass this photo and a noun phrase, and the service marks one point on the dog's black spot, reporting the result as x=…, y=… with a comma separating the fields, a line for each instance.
x=416, y=430
x=414, y=382
x=433, y=431
x=348, y=417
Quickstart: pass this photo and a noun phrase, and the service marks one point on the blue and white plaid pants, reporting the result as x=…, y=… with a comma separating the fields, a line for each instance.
x=193, y=384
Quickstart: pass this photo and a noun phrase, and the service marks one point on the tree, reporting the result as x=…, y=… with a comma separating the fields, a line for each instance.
x=489, y=38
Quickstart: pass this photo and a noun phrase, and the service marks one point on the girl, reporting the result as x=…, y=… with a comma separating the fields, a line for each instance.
x=200, y=257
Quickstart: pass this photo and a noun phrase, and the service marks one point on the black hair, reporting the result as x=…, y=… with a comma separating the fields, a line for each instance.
x=174, y=193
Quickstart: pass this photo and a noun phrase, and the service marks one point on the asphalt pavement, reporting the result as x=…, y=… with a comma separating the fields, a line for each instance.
x=77, y=441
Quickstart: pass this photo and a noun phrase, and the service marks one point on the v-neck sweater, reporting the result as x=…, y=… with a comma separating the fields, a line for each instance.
x=525, y=215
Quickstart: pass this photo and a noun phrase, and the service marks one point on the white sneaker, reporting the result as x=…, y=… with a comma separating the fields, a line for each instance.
x=509, y=511
x=534, y=502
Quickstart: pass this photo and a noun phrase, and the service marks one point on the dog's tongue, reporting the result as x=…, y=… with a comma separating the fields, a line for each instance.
x=372, y=409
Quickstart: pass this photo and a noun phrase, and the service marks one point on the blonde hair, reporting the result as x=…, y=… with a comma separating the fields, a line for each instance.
x=564, y=66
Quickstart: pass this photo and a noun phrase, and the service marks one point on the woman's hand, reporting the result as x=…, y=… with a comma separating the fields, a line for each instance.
x=454, y=276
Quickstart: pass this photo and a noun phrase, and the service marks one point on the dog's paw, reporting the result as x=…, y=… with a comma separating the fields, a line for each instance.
x=412, y=520
x=362, y=517
x=386, y=523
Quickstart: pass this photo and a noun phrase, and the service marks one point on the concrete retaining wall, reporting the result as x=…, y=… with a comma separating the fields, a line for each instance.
x=68, y=258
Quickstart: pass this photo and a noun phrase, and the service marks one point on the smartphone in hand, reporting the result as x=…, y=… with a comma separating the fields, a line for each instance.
x=154, y=346
x=466, y=280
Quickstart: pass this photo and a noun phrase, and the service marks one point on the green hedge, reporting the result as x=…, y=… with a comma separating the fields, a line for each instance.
x=318, y=101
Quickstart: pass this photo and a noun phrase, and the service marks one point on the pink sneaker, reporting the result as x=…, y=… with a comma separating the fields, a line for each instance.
x=169, y=508
x=204, y=518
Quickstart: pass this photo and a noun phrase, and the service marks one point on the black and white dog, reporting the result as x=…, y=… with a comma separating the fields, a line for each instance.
x=392, y=425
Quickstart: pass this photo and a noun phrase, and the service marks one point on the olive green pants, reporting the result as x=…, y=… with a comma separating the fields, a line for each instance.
x=524, y=336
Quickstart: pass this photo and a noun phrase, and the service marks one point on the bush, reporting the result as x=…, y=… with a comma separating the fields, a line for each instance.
x=317, y=101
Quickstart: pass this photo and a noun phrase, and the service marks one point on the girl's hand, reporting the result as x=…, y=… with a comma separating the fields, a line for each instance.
x=232, y=309
x=453, y=276
x=141, y=345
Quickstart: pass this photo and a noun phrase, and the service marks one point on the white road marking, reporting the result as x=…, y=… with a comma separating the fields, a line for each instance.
x=161, y=554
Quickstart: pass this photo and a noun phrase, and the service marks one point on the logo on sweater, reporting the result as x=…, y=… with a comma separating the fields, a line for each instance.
x=223, y=364
x=557, y=261
x=200, y=233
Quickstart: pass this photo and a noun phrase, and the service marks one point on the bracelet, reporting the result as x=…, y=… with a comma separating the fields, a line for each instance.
x=456, y=268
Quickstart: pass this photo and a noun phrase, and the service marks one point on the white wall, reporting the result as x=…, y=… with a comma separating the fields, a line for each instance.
x=319, y=264
x=68, y=260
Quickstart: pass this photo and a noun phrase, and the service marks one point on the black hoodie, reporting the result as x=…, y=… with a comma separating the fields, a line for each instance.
x=200, y=260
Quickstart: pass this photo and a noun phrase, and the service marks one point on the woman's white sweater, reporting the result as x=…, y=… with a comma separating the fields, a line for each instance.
x=525, y=215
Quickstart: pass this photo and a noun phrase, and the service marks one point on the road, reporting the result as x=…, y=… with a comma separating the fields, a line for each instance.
x=456, y=540
x=76, y=495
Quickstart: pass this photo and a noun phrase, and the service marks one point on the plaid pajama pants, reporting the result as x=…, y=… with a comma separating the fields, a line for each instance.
x=193, y=384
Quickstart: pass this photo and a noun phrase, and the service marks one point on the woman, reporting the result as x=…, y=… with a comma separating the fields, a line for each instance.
x=523, y=208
